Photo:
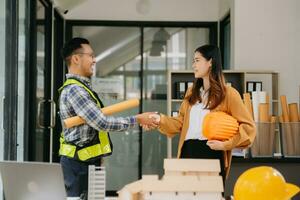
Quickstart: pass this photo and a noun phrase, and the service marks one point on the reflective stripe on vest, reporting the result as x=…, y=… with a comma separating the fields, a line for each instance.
x=101, y=149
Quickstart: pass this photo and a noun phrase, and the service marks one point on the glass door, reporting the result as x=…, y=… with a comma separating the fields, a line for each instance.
x=2, y=76
x=39, y=141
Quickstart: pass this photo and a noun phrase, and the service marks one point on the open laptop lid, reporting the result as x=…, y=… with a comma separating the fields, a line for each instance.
x=32, y=181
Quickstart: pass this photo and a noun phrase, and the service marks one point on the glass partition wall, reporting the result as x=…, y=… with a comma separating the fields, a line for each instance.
x=21, y=79
x=19, y=67
x=2, y=76
x=132, y=62
x=12, y=64
x=117, y=77
x=2, y=84
x=165, y=49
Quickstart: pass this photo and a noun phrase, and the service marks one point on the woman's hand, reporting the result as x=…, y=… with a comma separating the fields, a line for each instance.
x=156, y=118
x=216, y=145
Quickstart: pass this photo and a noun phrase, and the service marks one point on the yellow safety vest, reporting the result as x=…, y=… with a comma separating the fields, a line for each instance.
x=100, y=149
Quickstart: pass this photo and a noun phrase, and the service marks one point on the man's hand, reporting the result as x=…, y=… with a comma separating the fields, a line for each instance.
x=154, y=116
x=215, y=145
x=148, y=119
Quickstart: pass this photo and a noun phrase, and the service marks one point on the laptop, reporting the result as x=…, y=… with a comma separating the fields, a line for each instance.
x=32, y=181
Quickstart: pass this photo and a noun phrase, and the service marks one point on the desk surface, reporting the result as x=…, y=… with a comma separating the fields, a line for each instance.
x=265, y=160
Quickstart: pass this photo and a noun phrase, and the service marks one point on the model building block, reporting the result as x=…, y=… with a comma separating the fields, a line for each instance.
x=188, y=179
x=196, y=167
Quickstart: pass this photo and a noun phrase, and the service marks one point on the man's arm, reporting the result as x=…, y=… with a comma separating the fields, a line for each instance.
x=86, y=108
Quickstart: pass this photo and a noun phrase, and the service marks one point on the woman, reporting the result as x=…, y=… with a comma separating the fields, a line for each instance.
x=208, y=94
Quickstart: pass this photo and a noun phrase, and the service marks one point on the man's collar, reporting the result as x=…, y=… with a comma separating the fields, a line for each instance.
x=80, y=78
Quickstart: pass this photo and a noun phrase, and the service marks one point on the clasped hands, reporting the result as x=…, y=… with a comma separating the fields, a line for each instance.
x=148, y=120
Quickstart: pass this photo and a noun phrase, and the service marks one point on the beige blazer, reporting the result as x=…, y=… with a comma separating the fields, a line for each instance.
x=232, y=105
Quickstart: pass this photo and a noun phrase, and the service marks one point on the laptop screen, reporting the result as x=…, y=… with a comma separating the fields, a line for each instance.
x=32, y=181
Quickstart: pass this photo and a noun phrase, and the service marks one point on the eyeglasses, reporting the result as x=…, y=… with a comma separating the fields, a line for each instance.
x=92, y=55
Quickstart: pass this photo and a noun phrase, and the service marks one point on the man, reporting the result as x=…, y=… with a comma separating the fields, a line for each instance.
x=85, y=144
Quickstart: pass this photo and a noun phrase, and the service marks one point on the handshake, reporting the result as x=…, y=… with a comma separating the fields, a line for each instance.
x=148, y=120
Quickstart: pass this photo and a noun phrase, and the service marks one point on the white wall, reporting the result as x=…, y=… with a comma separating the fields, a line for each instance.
x=266, y=35
x=297, y=41
x=159, y=10
x=224, y=8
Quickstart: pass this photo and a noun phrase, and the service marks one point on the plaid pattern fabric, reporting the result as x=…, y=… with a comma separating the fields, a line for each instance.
x=75, y=100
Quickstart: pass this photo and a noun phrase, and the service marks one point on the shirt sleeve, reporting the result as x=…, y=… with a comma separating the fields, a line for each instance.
x=239, y=111
x=171, y=126
x=85, y=107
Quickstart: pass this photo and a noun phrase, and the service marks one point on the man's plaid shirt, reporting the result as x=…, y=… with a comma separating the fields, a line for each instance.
x=75, y=100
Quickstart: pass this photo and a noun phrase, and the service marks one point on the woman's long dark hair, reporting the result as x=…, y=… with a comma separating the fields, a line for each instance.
x=216, y=79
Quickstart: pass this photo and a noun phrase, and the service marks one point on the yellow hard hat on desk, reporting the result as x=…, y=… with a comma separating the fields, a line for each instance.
x=263, y=183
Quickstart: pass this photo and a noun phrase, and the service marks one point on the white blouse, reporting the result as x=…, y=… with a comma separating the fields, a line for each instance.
x=197, y=114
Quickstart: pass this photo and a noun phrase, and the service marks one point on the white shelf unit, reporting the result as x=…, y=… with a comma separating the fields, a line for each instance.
x=237, y=78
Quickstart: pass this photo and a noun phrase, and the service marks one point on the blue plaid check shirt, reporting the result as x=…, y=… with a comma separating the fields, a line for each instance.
x=75, y=100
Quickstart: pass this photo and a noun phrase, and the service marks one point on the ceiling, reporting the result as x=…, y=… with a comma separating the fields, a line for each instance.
x=136, y=10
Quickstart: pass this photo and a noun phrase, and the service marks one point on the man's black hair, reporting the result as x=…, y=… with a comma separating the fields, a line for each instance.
x=72, y=45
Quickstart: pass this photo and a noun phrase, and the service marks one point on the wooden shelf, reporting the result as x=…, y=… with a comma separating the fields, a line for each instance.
x=238, y=80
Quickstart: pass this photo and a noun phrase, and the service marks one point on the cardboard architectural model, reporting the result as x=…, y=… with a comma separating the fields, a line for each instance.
x=184, y=179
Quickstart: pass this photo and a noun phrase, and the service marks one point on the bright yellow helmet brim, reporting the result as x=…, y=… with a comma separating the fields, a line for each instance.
x=291, y=190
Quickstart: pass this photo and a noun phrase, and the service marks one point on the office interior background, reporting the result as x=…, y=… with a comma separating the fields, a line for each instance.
x=136, y=42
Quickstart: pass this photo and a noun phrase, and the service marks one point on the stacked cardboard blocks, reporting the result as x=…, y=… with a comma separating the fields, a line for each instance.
x=184, y=179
